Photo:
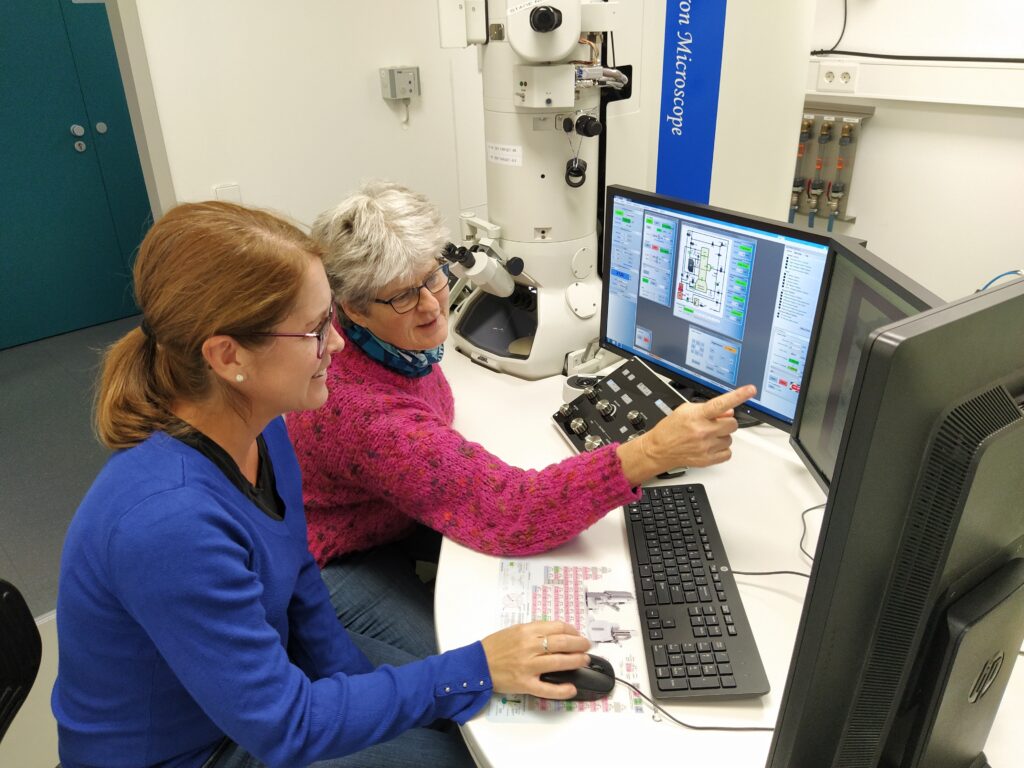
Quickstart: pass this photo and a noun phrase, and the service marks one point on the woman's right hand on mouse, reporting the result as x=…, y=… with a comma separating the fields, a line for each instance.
x=518, y=655
x=693, y=435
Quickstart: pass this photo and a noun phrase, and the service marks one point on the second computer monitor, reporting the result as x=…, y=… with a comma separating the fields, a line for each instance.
x=862, y=293
x=711, y=298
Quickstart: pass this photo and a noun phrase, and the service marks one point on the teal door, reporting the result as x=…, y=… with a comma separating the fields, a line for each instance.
x=74, y=201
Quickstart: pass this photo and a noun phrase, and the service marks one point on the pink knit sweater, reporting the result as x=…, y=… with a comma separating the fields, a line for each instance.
x=382, y=455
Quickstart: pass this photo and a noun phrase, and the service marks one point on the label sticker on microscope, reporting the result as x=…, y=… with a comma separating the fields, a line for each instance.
x=663, y=407
x=626, y=398
x=613, y=386
x=505, y=154
x=644, y=389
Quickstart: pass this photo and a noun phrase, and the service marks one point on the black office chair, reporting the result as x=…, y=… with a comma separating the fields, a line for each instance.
x=21, y=649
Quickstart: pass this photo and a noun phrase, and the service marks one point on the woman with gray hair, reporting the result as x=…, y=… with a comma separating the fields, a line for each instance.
x=382, y=466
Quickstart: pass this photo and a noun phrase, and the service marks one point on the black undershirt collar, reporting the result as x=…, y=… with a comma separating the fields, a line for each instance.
x=264, y=494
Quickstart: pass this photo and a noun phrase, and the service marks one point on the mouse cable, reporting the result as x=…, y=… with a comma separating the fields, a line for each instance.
x=665, y=712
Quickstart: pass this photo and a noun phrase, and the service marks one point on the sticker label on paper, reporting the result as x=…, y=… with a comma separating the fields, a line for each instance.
x=505, y=154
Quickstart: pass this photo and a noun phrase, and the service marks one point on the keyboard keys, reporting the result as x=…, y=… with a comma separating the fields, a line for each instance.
x=660, y=655
x=672, y=684
x=698, y=683
x=694, y=643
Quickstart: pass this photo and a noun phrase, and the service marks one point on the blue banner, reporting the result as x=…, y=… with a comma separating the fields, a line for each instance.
x=691, y=74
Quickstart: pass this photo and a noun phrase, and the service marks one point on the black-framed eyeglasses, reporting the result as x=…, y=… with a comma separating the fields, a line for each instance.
x=407, y=300
x=320, y=334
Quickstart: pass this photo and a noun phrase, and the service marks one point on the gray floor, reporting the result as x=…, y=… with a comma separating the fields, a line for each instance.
x=48, y=454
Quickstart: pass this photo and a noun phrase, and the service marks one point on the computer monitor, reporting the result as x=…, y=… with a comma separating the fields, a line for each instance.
x=861, y=293
x=712, y=299
x=915, y=608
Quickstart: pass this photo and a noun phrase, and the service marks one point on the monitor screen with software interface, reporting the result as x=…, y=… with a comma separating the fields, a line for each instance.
x=862, y=293
x=710, y=298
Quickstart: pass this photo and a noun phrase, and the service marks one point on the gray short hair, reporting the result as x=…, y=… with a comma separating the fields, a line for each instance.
x=383, y=232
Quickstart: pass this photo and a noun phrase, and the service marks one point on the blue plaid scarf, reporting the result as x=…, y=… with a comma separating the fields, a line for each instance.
x=403, y=361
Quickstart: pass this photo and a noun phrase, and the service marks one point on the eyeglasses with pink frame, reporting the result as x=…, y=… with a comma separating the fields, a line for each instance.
x=320, y=334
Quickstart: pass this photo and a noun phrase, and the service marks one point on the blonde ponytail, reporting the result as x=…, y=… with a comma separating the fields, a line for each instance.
x=127, y=409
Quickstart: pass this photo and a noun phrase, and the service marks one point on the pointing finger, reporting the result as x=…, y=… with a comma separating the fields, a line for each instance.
x=723, y=403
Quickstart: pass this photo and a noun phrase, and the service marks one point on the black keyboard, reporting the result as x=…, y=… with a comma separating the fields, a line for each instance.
x=696, y=635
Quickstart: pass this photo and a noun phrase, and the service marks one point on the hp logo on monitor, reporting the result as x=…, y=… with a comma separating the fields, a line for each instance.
x=988, y=675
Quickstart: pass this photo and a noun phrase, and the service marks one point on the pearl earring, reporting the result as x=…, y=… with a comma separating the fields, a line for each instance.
x=239, y=377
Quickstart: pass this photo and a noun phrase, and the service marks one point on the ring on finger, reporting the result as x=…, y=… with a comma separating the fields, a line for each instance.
x=544, y=643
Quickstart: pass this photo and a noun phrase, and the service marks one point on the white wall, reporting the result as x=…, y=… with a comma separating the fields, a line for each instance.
x=283, y=99
x=936, y=188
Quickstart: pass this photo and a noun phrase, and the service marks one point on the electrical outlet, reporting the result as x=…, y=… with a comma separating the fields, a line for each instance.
x=399, y=82
x=837, y=77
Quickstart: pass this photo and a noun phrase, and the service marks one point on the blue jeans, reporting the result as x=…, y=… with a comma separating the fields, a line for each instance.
x=377, y=593
x=389, y=613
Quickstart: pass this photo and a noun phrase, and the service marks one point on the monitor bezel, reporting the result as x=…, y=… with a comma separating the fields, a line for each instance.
x=902, y=286
x=732, y=217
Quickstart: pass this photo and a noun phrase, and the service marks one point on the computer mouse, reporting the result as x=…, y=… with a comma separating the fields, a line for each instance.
x=594, y=681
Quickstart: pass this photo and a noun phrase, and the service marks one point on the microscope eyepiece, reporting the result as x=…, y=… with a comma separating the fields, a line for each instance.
x=458, y=254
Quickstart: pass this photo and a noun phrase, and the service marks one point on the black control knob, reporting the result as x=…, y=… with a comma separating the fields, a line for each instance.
x=605, y=408
x=636, y=418
x=567, y=410
x=592, y=442
x=588, y=125
x=591, y=394
x=544, y=18
x=578, y=425
x=515, y=266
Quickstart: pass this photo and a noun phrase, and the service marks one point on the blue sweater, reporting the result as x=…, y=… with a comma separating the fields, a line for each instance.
x=185, y=613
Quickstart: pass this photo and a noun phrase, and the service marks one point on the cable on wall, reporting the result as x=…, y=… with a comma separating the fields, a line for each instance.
x=841, y=32
x=986, y=286
x=907, y=57
x=899, y=56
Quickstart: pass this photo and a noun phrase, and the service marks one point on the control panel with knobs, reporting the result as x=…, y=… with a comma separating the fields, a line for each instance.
x=620, y=407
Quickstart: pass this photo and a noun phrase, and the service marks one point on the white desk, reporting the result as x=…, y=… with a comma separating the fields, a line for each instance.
x=757, y=499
